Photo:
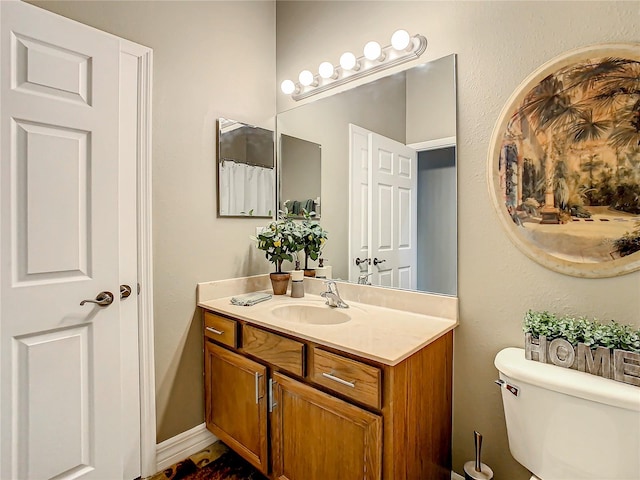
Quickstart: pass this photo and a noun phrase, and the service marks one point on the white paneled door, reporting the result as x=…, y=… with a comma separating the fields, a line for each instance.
x=382, y=210
x=393, y=183
x=358, y=204
x=62, y=242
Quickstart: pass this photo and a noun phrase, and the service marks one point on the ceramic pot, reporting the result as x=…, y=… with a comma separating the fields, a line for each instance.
x=309, y=272
x=279, y=282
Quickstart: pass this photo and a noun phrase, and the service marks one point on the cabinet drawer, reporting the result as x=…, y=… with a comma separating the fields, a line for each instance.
x=220, y=329
x=354, y=379
x=275, y=349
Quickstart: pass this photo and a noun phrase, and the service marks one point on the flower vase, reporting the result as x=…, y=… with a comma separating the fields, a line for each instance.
x=279, y=282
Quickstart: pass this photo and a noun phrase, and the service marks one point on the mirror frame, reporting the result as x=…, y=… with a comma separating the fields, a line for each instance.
x=542, y=249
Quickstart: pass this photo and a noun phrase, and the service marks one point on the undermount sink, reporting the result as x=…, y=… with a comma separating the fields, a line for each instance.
x=310, y=314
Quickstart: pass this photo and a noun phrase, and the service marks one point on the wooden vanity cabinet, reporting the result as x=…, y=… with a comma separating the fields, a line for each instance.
x=316, y=436
x=236, y=403
x=333, y=415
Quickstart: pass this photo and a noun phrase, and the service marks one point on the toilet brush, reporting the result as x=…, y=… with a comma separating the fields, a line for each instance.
x=476, y=470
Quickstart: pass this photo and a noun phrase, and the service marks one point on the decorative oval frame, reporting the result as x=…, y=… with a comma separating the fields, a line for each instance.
x=515, y=221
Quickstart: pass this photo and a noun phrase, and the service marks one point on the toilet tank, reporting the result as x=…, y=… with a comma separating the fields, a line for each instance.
x=569, y=425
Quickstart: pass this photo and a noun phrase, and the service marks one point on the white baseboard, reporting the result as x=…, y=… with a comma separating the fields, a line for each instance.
x=182, y=446
x=455, y=476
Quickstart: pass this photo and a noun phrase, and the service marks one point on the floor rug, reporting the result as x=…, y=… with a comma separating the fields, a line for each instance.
x=216, y=462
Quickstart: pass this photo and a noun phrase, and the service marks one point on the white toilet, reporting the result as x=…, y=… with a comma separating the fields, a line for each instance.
x=568, y=425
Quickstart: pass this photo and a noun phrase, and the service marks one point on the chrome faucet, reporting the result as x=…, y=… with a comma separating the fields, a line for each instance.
x=332, y=295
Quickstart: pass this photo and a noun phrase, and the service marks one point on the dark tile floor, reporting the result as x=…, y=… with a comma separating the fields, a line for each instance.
x=216, y=462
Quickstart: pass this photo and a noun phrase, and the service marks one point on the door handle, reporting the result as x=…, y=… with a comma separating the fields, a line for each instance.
x=257, y=378
x=364, y=260
x=376, y=261
x=272, y=403
x=104, y=299
x=125, y=291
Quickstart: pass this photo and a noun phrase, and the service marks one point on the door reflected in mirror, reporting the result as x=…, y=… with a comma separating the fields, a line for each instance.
x=299, y=180
x=388, y=177
x=246, y=170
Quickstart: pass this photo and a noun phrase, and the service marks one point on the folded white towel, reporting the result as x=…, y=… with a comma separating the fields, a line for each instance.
x=250, y=299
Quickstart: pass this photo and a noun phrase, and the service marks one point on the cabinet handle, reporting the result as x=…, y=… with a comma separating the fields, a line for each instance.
x=258, y=397
x=272, y=404
x=339, y=380
x=213, y=330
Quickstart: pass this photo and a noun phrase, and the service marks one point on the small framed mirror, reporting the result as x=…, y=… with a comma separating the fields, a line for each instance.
x=246, y=170
x=299, y=179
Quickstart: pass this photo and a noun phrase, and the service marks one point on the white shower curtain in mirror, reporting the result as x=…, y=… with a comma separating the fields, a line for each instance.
x=246, y=189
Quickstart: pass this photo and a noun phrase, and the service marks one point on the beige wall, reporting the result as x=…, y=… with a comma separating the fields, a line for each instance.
x=211, y=59
x=498, y=45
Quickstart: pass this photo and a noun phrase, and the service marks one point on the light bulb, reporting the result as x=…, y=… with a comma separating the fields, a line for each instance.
x=373, y=51
x=288, y=87
x=400, y=40
x=348, y=61
x=326, y=70
x=305, y=78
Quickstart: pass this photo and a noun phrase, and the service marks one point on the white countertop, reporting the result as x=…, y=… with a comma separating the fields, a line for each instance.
x=378, y=333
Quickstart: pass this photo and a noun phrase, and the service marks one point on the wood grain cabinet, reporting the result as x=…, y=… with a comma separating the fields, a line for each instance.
x=318, y=436
x=235, y=395
x=301, y=411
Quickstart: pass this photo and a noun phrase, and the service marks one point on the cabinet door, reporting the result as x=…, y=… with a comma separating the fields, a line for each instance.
x=316, y=436
x=236, y=403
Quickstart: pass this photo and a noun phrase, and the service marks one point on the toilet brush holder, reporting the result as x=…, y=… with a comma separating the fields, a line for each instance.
x=476, y=470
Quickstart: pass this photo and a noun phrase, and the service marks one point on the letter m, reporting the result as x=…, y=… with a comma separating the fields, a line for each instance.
x=596, y=362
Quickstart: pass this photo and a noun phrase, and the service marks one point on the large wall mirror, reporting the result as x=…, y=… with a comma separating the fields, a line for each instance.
x=299, y=180
x=246, y=170
x=388, y=177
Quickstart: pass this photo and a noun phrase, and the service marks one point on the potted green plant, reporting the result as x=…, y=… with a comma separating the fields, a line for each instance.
x=313, y=239
x=579, y=329
x=280, y=240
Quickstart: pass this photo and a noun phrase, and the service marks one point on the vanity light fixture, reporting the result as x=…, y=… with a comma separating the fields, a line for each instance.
x=288, y=87
x=327, y=70
x=375, y=58
x=400, y=40
x=348, y=61
x=306, y=79
x=373, y=51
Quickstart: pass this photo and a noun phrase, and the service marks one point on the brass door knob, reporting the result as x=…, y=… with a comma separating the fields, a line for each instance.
x=125, y=291
x=103, y=299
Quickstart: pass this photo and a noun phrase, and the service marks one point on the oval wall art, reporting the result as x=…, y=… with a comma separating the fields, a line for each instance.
x=564, y=163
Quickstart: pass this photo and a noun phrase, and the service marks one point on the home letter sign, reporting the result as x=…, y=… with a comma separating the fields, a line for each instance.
x=620, y=365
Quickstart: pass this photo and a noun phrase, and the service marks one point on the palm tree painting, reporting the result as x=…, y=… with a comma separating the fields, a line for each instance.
x=565, y=164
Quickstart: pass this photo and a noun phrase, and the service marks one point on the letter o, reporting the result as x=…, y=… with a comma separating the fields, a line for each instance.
x=561, y=353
